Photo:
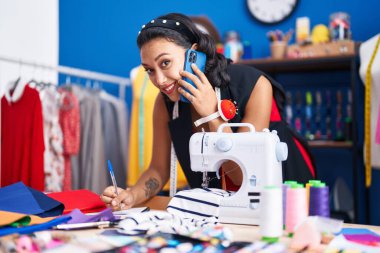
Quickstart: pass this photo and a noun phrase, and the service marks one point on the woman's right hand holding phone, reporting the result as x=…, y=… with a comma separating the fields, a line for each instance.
x=203, y=96
x=125, y=198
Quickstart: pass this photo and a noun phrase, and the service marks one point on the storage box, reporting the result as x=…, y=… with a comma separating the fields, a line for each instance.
x=334, y=48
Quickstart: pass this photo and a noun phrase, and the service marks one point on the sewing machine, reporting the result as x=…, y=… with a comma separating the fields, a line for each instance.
x=259, y=155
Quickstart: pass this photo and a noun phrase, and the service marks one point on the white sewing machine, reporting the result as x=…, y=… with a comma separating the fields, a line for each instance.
x=259, y=155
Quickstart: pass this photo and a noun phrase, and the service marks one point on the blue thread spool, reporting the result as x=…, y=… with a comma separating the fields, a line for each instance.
x=319, y=200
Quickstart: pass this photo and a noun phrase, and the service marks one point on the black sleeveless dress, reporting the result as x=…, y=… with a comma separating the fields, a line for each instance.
x=243, y=80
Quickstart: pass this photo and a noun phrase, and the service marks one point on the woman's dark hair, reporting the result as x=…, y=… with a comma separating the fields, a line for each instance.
x=216, y=64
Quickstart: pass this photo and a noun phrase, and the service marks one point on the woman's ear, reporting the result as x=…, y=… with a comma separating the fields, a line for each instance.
x=194, y=46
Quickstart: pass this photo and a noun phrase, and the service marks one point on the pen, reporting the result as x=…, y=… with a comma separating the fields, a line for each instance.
x=87, y=225
x=112, y=176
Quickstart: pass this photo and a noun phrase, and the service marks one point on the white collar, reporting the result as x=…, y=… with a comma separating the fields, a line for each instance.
x=17, y=93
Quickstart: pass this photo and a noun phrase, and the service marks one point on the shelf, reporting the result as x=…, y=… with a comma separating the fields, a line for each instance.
x=270, y=65
x=330, y=144
x=331, y=70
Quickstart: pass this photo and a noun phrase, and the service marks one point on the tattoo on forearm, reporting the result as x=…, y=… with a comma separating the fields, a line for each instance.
x=151, y=187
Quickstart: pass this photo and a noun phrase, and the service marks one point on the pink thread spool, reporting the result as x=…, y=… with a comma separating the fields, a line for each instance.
x=25, y=244
x=296, y=210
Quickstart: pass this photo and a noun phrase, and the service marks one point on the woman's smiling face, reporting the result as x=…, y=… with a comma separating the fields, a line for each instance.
x=163, y=60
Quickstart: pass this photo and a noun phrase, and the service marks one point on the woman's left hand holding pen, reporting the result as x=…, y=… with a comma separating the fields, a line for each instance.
x=124, y=200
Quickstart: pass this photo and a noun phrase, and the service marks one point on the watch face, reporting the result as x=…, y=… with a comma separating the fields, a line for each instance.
x=271, y=11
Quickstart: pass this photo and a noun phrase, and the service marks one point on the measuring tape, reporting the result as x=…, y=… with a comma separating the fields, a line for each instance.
x=367, y=118
x=173, y=159
x=141, y=124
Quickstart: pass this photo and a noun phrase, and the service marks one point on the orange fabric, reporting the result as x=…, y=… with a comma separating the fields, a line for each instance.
x=7, y=218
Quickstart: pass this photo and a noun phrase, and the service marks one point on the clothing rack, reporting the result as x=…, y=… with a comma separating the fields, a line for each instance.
x=121, y=81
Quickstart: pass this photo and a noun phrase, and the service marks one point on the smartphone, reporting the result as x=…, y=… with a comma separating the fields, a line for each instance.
x=193, y=56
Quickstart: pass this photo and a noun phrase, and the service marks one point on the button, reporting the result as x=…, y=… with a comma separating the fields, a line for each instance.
x=224, y=144
x=281, y=151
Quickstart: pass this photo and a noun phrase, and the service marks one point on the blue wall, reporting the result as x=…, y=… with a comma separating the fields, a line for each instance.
x=101, y=35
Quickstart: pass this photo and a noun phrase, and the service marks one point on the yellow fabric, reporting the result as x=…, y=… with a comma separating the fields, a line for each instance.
x=149, y=97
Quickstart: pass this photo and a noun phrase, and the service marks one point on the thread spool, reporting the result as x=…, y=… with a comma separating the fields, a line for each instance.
x=285, y=187
x=270, y=214
x=308, y=185
x=319, y=200
x=312, y=182
x=25, y=244
x=295, y=207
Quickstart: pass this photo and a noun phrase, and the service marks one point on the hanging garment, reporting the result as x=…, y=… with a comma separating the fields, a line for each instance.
x=89, y=166
x=53, y=155
x=69, y=120
x=122, y=121
x=141, y=129
x=113, y=137
x=22, y=141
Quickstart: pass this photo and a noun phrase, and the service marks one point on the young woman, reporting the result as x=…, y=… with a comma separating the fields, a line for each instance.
x=163, y=43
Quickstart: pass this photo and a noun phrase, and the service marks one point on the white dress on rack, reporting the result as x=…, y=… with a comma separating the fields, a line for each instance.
x=53, y=138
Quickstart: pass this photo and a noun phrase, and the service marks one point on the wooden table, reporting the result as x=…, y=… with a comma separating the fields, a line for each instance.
x=247, y=233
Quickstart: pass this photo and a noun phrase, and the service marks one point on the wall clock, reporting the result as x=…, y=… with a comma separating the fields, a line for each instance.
x=271, y=11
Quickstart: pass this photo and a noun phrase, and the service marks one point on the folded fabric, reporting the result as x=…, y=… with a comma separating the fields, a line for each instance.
x=34, y=228
x=161, y=221
x=78, y=217
x=20, y=198
x=84, y=200
x=367, y=239
x=7, y=218
x=201, y=204
x=357, y=231
x=17, y=219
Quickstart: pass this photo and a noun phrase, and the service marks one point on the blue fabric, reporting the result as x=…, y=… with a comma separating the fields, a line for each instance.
x=357, y=231
x=23, y=199
x=34, y=228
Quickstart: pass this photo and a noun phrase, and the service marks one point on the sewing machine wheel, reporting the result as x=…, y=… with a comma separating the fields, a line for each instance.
x=232, y=167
